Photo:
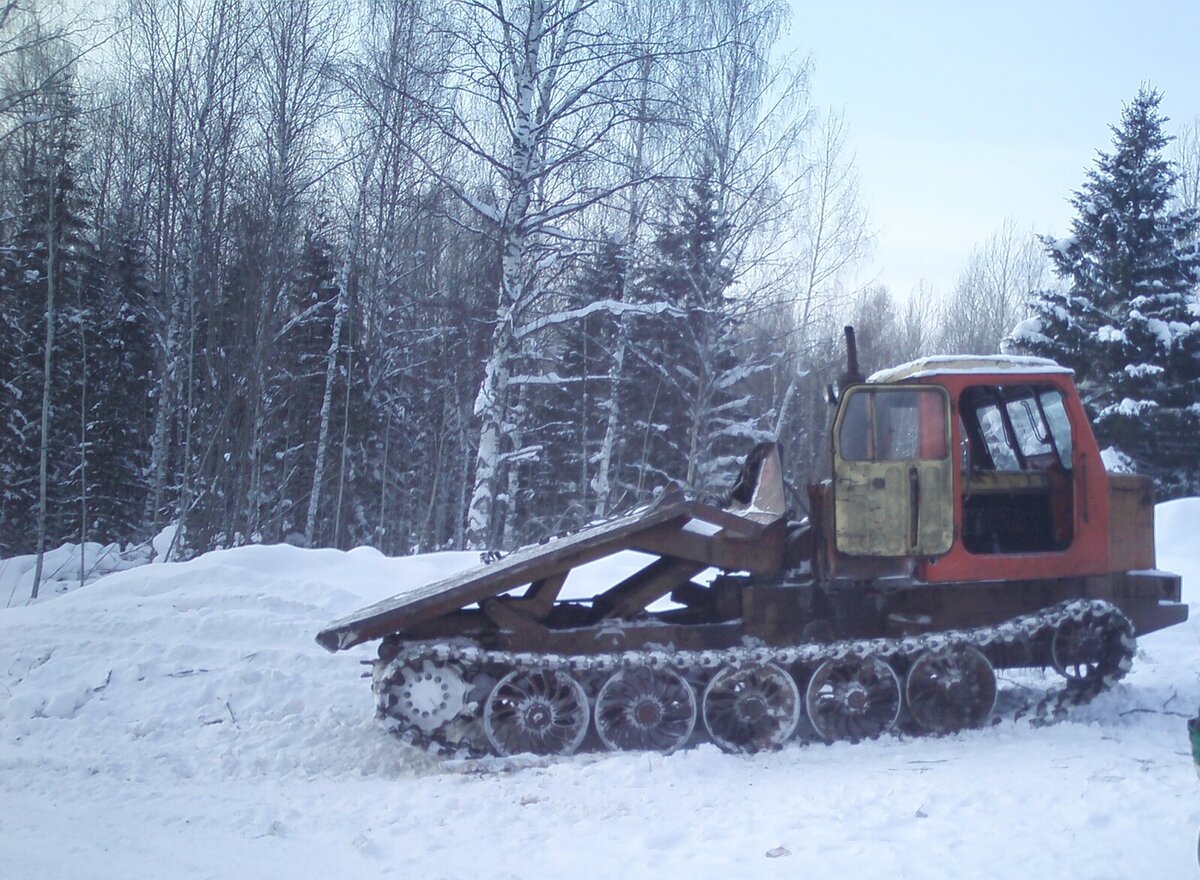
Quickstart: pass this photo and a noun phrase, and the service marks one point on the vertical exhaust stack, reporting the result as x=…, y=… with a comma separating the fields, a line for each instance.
x=853, y=375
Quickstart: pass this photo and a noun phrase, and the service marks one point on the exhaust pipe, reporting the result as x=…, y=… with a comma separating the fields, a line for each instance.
x=852, y=376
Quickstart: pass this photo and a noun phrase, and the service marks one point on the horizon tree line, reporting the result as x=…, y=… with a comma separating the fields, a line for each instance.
x=423, y=276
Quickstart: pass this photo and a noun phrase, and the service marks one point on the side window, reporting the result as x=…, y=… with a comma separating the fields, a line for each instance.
x=991, y=426
x=1018, y=495
x=1033, y=437
x=898, y=427
x=1022, y=427
x=1060, y=425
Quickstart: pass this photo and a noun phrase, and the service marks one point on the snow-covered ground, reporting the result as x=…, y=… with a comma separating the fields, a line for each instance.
x=66, y=568
x=178, y=721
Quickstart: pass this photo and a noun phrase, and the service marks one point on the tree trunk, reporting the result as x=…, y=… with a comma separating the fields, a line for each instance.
x=602, y=484
x=490, y=408
x=314, y=497
x=603, y=480
x=785, y=408
x=337, y=512
x=83, y=440
x=47, y=383
x=381, y=530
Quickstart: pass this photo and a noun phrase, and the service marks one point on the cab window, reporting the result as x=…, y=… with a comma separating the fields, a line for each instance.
x=1060, y=426
x=893, y=425
x=1017, y=486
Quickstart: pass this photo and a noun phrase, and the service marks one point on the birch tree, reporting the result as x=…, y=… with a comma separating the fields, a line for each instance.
x=832, y=230
x=832, y=235
x=1186, y=156
x=990, y=294
x=53, y=237
x=406, y=265
x=29, y=30
x=64, y=331
x=48, y=252
x=538, y=99
x=296, y=53
x=750, y=115
x=747, y=116
x=649, y=144
x=189, y=61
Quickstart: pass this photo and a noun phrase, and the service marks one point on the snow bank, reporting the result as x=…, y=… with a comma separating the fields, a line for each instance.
x=62, y=568
x=1177, y=540
x=178, y=721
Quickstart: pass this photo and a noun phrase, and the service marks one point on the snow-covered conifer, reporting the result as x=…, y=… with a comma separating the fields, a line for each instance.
x=1128, y=317
x=695, y=419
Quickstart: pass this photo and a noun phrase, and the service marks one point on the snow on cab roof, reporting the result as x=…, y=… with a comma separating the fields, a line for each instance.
x=942, y=365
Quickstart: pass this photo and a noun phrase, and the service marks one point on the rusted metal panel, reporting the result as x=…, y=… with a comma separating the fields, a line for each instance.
x=1130, y=522
x=506, y=617
x=870, y=510
x=775, y=614
x=734, y=523
x=614, y=636
x=762, y=553
x=1149, y=599
x=893, y=476
x=935, y=521
x=523, y=566
x=1005, y=482
x=1087, y=552
x=539, y=598
x=758, y=493
x=650, y=584
x=894, y=508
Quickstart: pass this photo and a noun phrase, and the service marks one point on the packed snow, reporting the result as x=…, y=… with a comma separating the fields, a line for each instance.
x=178, y=721
x=966, y=364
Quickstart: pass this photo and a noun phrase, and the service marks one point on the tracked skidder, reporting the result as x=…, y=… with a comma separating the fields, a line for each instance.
x=969, y=527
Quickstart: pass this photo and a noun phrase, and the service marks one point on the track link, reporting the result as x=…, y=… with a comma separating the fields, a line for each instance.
x=467, y=673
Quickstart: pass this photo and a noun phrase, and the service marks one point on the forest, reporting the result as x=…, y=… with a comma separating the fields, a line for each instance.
x=423, y=275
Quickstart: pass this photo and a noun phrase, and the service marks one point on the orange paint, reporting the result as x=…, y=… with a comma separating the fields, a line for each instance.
x=1087, y=553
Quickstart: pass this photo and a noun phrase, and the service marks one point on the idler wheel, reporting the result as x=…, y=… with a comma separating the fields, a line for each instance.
x=751, y=708
x=854, y=697
x=645, y=709
x=951, y=688
x=540, y=711
x=1078, y=646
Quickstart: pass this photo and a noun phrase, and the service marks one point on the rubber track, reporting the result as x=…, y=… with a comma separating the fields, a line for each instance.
x=1019, y=642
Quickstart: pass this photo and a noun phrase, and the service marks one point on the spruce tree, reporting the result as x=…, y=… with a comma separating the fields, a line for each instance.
x=20, y=380
x=120, y=365
x=696, y=420
x=299, y=382
x=49, y=272
x=569, y=417
x=1128, y=317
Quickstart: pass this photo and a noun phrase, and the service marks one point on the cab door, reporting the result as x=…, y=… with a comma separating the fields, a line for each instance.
x=892, y=471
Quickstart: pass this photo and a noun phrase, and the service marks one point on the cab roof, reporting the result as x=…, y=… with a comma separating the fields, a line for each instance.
x=959, y=364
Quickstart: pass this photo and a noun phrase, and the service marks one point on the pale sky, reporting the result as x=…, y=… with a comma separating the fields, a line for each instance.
x=963, y=114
